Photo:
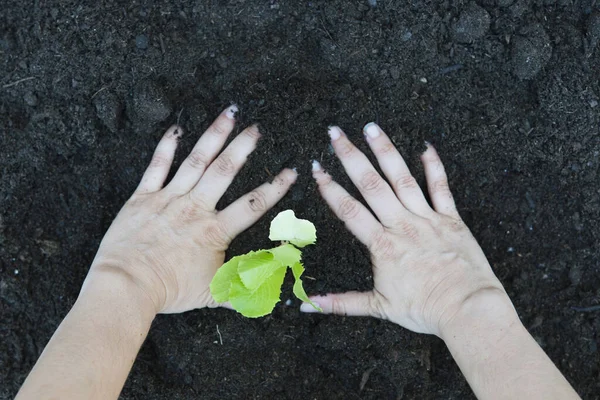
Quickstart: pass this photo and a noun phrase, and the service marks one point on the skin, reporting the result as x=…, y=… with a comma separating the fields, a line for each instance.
x=166, y=244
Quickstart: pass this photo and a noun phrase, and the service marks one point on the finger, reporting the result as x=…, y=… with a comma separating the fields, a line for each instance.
x=371, y=185
x=248, y=209
x=358, y=218
x=395, y=169
x=204, y=152
x=437, y=183
x=221, y=172
x=355, y=304
x=156, y=173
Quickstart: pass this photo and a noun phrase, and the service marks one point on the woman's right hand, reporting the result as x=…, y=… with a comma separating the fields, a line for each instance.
x=426, y=264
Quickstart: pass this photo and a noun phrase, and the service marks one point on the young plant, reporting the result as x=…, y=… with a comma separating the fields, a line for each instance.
x=252, y=282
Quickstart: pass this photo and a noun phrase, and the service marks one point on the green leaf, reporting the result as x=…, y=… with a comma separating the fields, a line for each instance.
x=298, y=270
x=286, y=227
x=286, y=254
x=258, y=302
x=221, y=283
x=252, y=282
x=257, y=268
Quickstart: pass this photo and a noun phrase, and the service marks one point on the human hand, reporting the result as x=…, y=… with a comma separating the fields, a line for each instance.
x=170, y=241
x=426, y=263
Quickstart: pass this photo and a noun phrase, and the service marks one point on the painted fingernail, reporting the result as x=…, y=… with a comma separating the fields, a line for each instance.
x=334, y=132
x=372, y=130
x=307, y=308
x=231, y=111
x=316, y=166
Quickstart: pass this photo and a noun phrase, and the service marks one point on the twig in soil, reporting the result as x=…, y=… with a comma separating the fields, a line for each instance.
x=268, y=172
x=98, y=91
x=365, y=378
x=179, y=115
x=451, y=68
x=220, y=337
x=586, y=309
x=15, y=83
x=162, y=43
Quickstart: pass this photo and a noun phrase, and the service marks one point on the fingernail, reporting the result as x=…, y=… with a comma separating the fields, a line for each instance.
x=295, y=170
x=427, y=143
x=307, y=308
x=231, y=111
x=316, y=166
x=334, y=132
x=372, y=130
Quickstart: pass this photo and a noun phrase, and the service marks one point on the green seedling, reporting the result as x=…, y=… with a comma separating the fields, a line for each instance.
x=251, y=283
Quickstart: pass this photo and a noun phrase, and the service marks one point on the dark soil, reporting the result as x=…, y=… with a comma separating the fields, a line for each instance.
x=508, y=90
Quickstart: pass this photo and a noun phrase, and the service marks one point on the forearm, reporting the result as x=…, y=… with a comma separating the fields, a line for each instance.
x=497, y=355
x=92, y=351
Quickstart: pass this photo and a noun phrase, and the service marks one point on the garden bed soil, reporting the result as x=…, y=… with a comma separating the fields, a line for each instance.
x=508, y=91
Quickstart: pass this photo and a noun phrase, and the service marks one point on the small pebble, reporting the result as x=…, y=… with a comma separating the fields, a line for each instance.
x=406, y=36
x=531, y=51
x=372, y=3
x=423, y=80
x=31, y=99
x=16, y=272
x=593, y=103
x=472, y=24
x=141, y=42
x=288, y=302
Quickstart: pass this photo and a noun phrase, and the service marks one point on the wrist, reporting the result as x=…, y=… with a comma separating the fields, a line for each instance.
x=497, y=355
x=486, y=310
x=114, y=288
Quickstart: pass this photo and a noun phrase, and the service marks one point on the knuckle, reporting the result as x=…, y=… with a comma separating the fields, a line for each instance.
x=224, y=165
x=216, y=236
x=406, y=181
x=218, y=129
x=348, y=208
x=386, y=149
x=252, y=132
x=382, y=247
x=441, y=187
x=346, y=149
x=197, y=160
x=257, y=201
x=372, y=182
x=338, y=307
x=197, y=202
x=408, y=230
x=188, y=213
x=324, y=179
x=159, y=160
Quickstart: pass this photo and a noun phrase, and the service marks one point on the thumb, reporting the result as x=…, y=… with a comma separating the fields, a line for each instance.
x=356, y=304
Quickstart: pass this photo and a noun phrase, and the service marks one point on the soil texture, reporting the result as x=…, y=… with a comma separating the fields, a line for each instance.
x=507, y=90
